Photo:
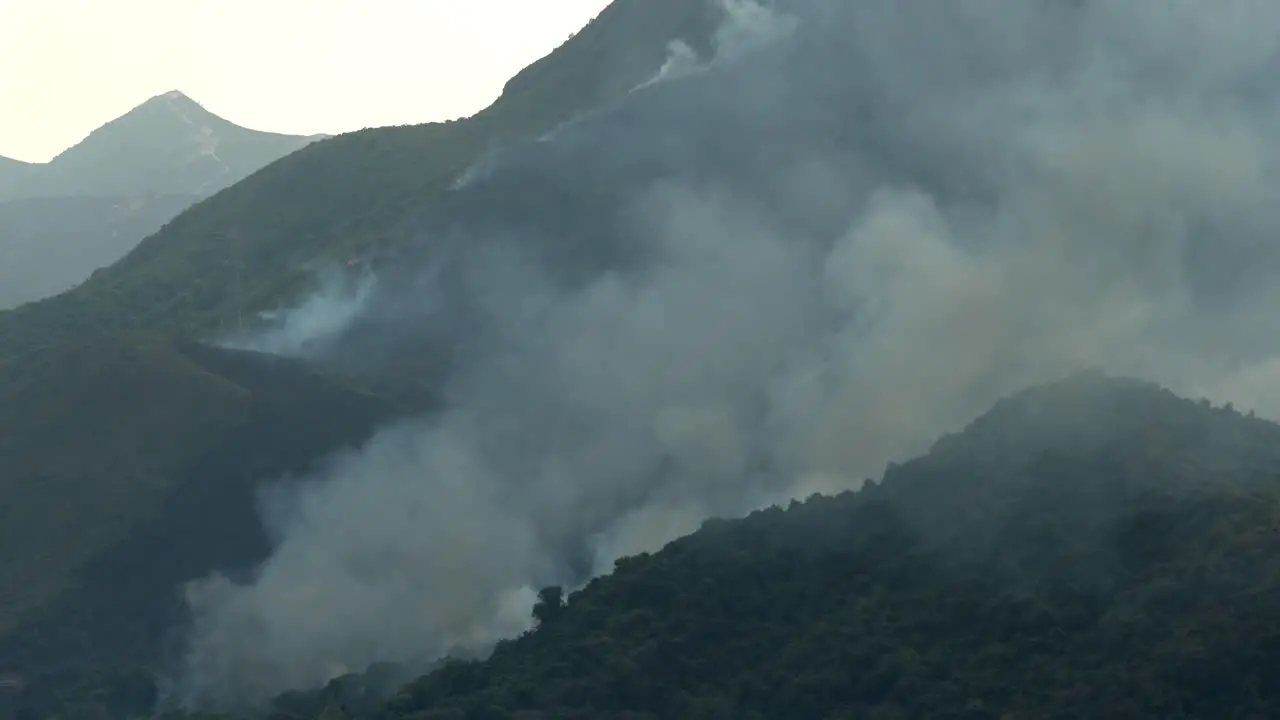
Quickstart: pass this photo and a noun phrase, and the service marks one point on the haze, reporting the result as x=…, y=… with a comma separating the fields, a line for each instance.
x=321, y=66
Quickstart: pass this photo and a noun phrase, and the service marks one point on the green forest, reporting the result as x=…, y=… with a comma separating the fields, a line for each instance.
x=1118, y=557
x=1091, y=547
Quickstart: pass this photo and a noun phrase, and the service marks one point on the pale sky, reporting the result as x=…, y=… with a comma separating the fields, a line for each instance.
x=294, y=66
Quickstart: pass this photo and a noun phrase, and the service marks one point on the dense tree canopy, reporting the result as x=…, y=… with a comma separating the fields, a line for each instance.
x=1079, y=573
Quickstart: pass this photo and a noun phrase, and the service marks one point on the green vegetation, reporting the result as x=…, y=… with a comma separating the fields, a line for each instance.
x=130, y=467
x=247, y=248
x=1093, y=548
x=130, y=457
x=1117, y=557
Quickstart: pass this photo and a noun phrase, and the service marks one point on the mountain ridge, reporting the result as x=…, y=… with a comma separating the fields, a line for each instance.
x=650, y=307
x=89, y=333
x=161, y=135
x=286, y=216
x=857, y=605
x=62, y=220
x=906, y=627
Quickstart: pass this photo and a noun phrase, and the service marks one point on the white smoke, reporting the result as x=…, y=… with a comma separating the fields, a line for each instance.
x=681, y=60
x=312, y=326
x=748, y=26
x=1098, y=144
x=480, y=169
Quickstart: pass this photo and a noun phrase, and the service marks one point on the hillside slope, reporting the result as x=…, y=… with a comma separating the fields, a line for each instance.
x=131, y=467
x=1095, y=547
x=335, y=198
x=110, y=426
x=48, y=245
x=1092, y=548
x=12, y=173
x=744, y=284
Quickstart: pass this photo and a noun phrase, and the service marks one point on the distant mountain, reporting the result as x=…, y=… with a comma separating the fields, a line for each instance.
x=169, y=144
x=50, y=244
x=12, y=174
x=89, y=206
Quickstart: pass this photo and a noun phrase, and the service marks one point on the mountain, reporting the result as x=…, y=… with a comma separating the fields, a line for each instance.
x=169, y=144
x=192, y=421
x=12, y=173
x=356, y=191
x=1093, y=547
x=1096, y=547
x=683, y=269
x=133, y=466
x=92, y=204
x=74, y=614
x=50, y=244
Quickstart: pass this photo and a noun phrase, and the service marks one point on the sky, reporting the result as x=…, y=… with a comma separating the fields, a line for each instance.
x=293, y=66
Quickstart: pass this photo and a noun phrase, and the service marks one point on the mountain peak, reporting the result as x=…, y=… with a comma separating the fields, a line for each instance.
x=174, y=100
x=168, y=112
x=168, y=144
x=1072, y=453
x=1087, y=408
x=1091, y=412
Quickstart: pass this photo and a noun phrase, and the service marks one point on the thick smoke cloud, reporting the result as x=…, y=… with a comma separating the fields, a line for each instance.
x=814, y=259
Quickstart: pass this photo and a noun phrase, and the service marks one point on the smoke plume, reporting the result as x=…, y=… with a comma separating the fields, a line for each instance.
x=770, y=277
x=746, y=26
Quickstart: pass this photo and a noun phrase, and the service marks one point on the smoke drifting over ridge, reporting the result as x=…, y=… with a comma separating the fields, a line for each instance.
x=746, y=26
x=772, y=277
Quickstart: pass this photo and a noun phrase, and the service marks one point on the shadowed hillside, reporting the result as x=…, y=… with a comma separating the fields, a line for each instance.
x=1095, y=547
x=682, y=285
x=1092, y=548
x=131, y=467
x=114, y=430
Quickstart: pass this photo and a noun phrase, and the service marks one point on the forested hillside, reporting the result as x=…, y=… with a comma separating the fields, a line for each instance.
x=131, y=467
x=249, y=247
x=429, y=422
x=133, y=457
x=1091, y=548
x=1096, y=548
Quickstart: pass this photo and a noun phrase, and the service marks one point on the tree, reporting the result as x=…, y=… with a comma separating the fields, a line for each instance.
x=550, y=603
